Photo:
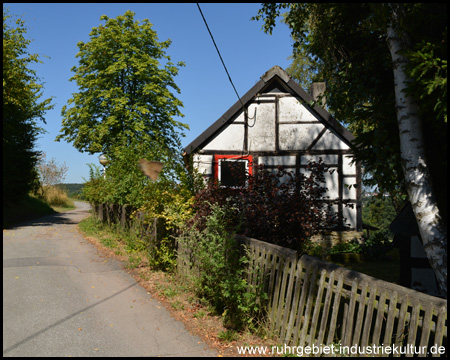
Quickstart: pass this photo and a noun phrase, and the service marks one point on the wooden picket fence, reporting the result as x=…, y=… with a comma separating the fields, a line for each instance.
x=312, y=302
x=122, y=215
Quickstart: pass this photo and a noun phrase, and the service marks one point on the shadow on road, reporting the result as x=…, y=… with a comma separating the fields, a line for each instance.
x=65, y=319
x=53, y=219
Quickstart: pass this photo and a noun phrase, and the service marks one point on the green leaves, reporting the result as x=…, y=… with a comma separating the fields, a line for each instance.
x=125, y=108
x=22, y=108
x=124, y=91
x=430, y=73
x=345, y=45
x=220, y=278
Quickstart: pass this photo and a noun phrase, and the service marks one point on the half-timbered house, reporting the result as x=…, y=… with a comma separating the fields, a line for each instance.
x=275, y=124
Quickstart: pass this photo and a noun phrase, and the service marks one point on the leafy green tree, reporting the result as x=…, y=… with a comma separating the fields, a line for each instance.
x=379, y=212
x=22, y=108
x=125, y=97
x=386, y=71
x=303, y=69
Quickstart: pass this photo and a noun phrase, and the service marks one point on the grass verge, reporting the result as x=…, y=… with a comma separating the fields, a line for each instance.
x=173, y=292
x=67, y=207
x=27, y=208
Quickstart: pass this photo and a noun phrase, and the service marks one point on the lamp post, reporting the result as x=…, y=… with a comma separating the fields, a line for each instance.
x=104, y=161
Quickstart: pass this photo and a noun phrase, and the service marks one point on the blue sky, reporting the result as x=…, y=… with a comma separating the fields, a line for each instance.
x=55, y=30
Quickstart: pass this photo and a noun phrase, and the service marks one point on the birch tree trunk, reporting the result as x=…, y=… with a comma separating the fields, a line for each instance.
x=418, y=181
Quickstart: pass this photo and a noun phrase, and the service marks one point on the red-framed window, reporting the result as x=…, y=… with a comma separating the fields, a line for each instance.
x=232, y=170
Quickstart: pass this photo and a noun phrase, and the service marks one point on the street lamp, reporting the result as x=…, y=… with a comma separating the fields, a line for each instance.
x=104, y=161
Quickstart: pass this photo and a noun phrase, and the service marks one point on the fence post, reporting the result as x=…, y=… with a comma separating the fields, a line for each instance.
x=101, y=215
x=312, y=302
x=123, y=216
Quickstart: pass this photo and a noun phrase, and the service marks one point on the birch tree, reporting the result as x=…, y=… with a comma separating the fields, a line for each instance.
x=386, y=77
x=417, y=175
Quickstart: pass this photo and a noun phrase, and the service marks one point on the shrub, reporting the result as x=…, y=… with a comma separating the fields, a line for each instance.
x=220, y=270
x=378, y=244
x=276, y=207
x=351, y=247
x=169, y=199
x=56, y=196
x=94, y=188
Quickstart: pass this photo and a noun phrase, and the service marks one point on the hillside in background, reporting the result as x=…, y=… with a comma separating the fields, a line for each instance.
x=73, y=190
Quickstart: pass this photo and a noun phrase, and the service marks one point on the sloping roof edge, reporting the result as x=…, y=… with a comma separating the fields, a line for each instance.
x=405, y=222
x=266, y=78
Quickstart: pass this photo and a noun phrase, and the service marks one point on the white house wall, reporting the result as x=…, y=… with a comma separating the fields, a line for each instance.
x=349, y=190
x=293, y=111
x=229, y=139
x=329, y=141
x=326, y=158
x=298, y=136
x=204, y=164
x=348, y=167
x=277, y=160
x=261, y=128
x=281, y=131
x=350, y=216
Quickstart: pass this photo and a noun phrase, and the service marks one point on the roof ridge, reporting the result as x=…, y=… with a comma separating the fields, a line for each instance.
x=295, y=89
x=276, y=70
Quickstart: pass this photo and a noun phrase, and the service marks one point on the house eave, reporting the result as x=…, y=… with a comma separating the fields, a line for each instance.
x=295, y=90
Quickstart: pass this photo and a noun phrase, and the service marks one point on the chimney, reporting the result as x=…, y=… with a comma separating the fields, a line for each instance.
x=317, y=90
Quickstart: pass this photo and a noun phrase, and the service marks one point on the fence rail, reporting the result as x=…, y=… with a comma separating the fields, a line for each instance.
x=312, y=302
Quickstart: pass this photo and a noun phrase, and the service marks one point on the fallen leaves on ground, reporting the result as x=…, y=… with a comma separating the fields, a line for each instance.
x=207, y=327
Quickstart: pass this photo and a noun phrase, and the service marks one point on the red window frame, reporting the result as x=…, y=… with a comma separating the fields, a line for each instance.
x=217, y=159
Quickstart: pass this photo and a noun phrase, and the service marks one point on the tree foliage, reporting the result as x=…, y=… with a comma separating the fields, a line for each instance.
x=125, y=108
x=22, y=108
x=345, y=45
x=124, y=96
x=50, y=174
x=386, y=72
x=379, y=212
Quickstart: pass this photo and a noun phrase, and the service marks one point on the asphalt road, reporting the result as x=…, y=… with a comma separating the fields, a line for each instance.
x=61, y=298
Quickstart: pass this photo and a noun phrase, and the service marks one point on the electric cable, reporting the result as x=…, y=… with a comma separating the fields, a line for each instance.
x=229, y=77
x=223, y=63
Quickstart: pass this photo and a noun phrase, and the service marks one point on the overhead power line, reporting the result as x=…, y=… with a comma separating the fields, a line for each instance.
x=223, y=63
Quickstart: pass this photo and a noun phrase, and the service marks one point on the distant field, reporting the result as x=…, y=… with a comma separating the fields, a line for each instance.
x=73, y=190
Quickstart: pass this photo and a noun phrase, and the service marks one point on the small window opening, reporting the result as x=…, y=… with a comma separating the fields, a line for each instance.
x=232, y=171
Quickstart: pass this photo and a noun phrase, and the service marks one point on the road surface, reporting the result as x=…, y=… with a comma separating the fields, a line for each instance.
x=61, y=298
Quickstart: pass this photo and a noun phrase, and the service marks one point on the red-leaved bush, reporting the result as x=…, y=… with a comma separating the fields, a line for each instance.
x=277, y=207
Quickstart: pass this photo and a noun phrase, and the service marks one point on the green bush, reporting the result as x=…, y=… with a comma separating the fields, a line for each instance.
x=350, y=247
x=378, y=244
x=168, y=201
x=221, y=270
